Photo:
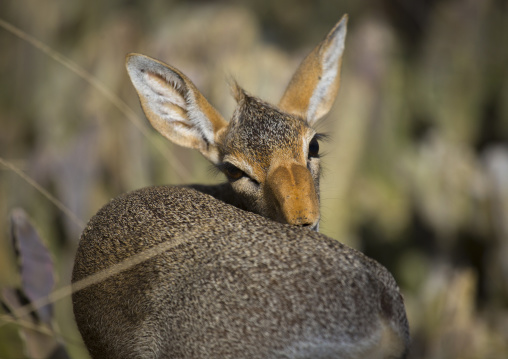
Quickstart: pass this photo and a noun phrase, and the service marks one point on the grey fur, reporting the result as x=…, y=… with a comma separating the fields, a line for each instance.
x=233, y=285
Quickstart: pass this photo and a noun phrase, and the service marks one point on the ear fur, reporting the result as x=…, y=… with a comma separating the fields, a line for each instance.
x=174, y=106
x=314, y=86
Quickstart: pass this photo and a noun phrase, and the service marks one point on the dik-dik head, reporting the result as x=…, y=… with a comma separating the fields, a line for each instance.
x=270, y=154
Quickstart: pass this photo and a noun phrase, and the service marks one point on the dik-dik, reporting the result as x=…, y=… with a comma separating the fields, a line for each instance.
x=269, y=154
x=213, y=280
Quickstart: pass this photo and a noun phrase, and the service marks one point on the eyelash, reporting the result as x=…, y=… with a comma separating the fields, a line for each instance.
x=232, y=172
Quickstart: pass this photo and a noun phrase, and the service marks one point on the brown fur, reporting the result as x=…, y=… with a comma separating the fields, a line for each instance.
x=233, y=285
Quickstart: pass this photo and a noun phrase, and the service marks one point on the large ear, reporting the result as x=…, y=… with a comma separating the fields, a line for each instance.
x=174, y=106
x=313, y=88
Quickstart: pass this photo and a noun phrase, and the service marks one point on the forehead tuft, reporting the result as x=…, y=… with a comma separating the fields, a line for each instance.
x=259, y=129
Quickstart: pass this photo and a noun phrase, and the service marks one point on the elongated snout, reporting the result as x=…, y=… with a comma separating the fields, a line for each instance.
x=293, y=191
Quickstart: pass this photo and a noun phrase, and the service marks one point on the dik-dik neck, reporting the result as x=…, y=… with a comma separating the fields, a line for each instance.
x=223, y=192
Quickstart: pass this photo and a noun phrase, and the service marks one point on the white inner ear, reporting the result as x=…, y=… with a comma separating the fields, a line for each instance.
x=320, y=94
x=169, y=97
x=334, y=51
x=163, y=89
x=330, y=71
x=199, y=119
x=163, y=95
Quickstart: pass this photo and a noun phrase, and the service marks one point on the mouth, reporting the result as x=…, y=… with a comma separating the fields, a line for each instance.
x=314, y=227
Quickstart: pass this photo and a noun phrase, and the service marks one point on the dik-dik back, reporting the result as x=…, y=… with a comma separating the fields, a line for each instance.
x=211, y=280
x=269, y=154
x=229, y=284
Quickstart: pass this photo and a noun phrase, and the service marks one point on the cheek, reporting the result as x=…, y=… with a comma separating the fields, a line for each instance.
x=247, y=191
x=314, y=168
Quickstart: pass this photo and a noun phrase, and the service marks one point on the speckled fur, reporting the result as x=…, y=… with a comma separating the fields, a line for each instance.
x=258, y=130
x=237, y=286
x=262, y=135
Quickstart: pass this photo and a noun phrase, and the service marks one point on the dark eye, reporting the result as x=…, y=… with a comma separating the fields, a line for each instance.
x=233, y=173
x=314, y=147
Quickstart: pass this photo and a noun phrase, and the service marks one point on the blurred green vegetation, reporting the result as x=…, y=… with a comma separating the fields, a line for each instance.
x=416, y=171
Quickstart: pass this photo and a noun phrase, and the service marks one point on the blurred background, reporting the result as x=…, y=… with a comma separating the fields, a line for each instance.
x=415, y=171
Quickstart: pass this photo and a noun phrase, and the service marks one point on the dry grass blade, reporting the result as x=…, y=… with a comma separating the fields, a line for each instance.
x=5, y=319
x=45, y=193
x=104, y=274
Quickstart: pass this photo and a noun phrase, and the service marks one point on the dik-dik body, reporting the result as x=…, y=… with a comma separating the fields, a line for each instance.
x=228, y=284
x=214, y=279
